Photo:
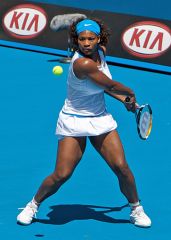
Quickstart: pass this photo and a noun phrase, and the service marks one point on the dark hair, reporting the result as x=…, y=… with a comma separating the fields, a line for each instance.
x=104, y=33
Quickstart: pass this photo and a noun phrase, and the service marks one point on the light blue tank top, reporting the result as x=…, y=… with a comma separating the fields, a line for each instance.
x=84, y=97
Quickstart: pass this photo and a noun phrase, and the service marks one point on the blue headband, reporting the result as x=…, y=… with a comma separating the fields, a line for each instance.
x=88, y=25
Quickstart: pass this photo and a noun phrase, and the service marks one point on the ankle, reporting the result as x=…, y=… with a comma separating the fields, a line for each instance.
x=35, y=202
x=134, y=205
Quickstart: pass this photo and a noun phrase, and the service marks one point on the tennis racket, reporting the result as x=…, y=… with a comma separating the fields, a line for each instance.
x=143, y=116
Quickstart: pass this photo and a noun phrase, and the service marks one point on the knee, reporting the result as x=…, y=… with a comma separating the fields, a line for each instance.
x=61, y=176
x=123, y=170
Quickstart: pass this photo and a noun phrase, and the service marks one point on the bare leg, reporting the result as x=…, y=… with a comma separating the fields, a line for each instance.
x=110, y=148
x=70, y=151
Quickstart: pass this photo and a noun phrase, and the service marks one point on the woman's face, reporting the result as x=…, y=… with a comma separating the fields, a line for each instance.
x=88, y=42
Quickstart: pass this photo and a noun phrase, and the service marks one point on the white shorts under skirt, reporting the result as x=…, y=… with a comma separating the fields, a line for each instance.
x=77, y=126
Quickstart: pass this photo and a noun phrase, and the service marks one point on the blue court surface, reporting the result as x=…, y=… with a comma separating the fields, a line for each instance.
x=89, y=206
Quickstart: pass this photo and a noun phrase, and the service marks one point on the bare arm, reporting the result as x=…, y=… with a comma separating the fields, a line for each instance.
x=130, y=106
x=87, y=68
x=119, y=97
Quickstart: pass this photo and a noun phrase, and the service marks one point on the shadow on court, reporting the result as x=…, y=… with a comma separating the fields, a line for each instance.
x=62, y=214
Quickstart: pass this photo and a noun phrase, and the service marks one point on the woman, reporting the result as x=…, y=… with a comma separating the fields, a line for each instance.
x=84, y=115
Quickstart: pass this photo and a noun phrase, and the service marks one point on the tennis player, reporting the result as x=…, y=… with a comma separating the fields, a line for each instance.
x=84, y=115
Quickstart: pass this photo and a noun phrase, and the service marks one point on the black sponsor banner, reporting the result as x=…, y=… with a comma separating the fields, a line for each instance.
x=139, y=38
x=29, y=23
x=139, y=42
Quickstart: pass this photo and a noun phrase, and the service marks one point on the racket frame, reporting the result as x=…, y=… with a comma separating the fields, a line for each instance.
x=139, y=109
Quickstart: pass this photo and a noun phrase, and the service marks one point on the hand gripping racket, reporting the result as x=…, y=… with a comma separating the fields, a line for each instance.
x=143, y=116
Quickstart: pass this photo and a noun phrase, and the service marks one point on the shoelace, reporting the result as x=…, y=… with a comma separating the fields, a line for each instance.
x=139, y=212
x=34, y=211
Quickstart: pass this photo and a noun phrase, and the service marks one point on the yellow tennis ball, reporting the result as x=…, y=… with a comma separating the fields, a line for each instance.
x=57, y=70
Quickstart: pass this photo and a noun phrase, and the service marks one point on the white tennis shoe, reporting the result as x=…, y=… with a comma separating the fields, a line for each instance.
x=28, y=214
x=139, y=218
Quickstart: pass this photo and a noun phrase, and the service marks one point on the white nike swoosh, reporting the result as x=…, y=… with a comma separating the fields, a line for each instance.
x=87, y=24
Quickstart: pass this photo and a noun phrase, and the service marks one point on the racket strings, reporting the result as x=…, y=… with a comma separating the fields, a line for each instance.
x=144, y=121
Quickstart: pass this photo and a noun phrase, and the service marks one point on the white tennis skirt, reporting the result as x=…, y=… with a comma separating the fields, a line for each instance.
x=77, y=126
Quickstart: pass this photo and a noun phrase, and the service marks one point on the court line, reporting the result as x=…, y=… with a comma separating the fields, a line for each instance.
x=121, y=62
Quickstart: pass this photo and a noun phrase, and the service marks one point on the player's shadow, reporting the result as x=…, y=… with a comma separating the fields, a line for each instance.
x=62, y=214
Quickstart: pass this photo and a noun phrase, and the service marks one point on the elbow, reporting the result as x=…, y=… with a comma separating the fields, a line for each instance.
x=110, y=88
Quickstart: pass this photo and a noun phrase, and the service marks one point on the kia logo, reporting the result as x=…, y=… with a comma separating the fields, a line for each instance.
x=147, y=39
x=25, y=21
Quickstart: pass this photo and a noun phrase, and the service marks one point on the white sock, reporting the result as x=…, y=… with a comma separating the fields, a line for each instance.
x=35, y=203
x=134, y=205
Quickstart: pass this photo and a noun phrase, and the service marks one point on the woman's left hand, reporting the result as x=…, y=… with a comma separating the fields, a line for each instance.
x=130, y=104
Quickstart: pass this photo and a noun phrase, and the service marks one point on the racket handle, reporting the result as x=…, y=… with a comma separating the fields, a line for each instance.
x=137, y=105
